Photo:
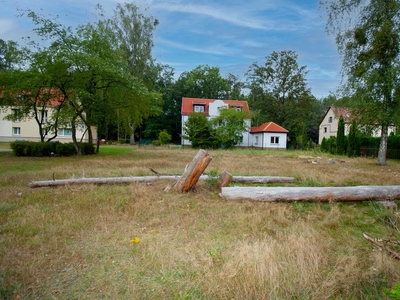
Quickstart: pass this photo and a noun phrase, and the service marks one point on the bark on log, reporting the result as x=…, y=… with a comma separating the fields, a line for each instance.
x=350, y=193
x=193, y=172
x=225, y=178
x=101, y=180
x=262, y=179
x=116, y=180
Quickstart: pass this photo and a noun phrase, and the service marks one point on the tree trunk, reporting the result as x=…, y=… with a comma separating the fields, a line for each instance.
x=76, y=145
x=350, y=193
x=116, y=180
x=193, y=172
x=383, y=146
x=225, y=179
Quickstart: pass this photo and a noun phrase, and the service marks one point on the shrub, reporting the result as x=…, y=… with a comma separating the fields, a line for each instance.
x=40, y=149
x=164, y=137
x=156, y=143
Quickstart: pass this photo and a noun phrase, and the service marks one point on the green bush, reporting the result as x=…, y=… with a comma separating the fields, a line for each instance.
x=164, y=137
x=40, y=149
x=394, y=293
x=156, y=143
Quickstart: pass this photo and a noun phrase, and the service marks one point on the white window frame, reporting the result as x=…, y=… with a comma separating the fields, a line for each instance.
x=198, y=108
x=16, y=113
x=61, y=132
x=16, y=130
x=44, y=116
x=274, y=140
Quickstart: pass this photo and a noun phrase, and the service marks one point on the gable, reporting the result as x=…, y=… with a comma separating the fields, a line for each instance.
x=190, y=105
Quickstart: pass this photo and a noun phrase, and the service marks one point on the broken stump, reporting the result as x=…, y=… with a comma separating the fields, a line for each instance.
x=192, y=173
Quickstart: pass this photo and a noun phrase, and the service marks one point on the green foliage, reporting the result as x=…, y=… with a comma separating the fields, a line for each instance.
x=156, y=143
x=340, y=141
x=200, y=132
x=393, y=293
x=353, y=145
x=280, y=94
x=40, y=149
x=368, y=38
x=164, y=137
x=229, y=126
x=324, y=145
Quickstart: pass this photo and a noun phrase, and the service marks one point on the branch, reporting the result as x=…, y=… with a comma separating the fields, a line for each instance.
x=383, y=246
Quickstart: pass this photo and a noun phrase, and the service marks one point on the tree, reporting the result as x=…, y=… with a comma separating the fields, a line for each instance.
x=368, y=38
x=353, y=145
x=202, y=82
x=199, y=132
x=229, y=126
x=341, y=140
x=279, y=91
x=7, y=49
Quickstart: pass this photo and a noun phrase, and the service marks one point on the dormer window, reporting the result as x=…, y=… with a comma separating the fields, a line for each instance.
x=198, y=108
x=237, y=108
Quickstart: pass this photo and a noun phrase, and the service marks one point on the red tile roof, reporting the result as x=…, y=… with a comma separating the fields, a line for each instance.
x=187, y=104
x=268, y=127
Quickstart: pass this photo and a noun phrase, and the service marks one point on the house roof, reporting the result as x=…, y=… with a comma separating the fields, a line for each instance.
x=269, y=127
x=52, y=97
x=339, y=111
x=187, y=104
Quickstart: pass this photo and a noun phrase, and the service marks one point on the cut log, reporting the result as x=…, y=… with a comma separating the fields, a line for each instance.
x=349, y=193
x=101, y=180
x=193, y=171
x=225, y=178
x=116, y=180
x=262, y=179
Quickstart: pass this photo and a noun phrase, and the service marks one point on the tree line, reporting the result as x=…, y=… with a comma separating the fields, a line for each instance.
x=105, y=76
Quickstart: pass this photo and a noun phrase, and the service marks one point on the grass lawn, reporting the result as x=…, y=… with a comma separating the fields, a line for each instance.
x=138, y=241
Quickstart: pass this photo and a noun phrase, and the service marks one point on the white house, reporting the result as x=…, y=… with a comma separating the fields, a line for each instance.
x=269, y=135
x=330, y=122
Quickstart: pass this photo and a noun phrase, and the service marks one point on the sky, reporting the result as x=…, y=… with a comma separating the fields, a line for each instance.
x=229, y=34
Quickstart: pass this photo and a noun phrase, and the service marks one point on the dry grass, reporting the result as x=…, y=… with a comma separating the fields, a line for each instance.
x=73, y=242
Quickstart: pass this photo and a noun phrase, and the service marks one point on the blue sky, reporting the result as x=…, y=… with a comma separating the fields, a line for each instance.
x=229, y=34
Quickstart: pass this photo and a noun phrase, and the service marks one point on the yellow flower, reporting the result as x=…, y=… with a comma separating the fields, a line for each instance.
x=136, y=240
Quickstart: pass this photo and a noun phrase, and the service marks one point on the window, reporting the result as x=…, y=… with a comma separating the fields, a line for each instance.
x=16, y=115
x=198, y=108
x=237, y=108
x=65, y=132
x=256, y=143
x=274, y=139
x=16, y=130
x=325, y=129
x=44, y=116
x=330, y=119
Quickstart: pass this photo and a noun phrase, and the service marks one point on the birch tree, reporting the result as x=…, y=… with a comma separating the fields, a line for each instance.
x=367, y=36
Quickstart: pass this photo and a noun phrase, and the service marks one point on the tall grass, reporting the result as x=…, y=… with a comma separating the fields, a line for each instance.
x=74, y=242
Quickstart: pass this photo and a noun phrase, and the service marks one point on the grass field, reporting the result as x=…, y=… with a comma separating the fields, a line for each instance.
x=137, y=241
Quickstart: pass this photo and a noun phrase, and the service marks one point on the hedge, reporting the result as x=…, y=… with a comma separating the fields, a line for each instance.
x=40, y=149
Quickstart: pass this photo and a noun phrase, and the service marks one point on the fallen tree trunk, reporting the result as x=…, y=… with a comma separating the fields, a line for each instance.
x=350, y=193
x=116, y=180
x=101, y=180
x=192, y=174
x=262, y=179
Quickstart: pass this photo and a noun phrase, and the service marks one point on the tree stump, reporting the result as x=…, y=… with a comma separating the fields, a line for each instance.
x=225, y=178
x=192, y=173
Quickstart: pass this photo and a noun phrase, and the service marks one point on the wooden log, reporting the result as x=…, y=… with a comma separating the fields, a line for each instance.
x=262, y=179
x=349, y=193
x=225, y=179
x=101, y=180
x=193, y=172
x=116, y=180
